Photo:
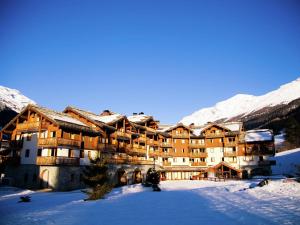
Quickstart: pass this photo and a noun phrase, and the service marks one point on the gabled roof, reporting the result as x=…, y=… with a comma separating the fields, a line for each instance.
x=58, y=118
x=175, y=126
x=224, y=164
x=141, y=118
x=199, y=130
x=92, y=117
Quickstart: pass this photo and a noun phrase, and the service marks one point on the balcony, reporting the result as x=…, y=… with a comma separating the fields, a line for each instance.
x=54, y=142
x=124, y=160
x=106, y=148
x=56, y=160
x=197, y=145
x=152, y=142
x=198, y=154
x=214, y=135
x=182, y=135
x=229, y=154
x=165, y=145
x=28, y=126
x=166, y=163
x=230, y=144
x=142, y=139
x=137, y=150
x=154, y=153
x=10, y=160
x=90, y=145
x=122, y=135
x=198, y=164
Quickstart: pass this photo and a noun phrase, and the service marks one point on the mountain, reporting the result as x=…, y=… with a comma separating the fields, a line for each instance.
x=11, y=103
x=265, y=111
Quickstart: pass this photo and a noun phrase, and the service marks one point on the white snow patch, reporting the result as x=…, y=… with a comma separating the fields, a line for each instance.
x=14, y=99
x=258, y=135
x=287, y=162
x=243, y=104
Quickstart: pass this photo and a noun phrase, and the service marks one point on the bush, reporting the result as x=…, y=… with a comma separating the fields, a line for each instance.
x=99, y=192
x=152, y=177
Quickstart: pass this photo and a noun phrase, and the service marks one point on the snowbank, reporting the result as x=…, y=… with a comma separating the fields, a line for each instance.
x=287, y=162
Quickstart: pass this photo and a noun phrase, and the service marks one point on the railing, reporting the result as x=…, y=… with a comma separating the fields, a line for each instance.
x=10, y=160
x=165, y=145
x=90, y=145
x=229, y=154
x=181, y=135
x=152, y=142
x=106, y=147
x=54, y=142
x=230, y=144
x=214, y=135
x=122, y=134
x=142, y=139
x=196, y=145
x=198, y=154
x=166, y=164
x=120, y=160
x=198, y=164
x=28, y=126
x=57, y=160
x=136, y=149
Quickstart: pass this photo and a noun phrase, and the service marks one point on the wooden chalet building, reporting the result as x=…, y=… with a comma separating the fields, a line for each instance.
x=42, y=148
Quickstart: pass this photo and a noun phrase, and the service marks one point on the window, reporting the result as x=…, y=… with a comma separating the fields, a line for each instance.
x=182, y=141
x=39, y=152
x=89, y=154
x=174, y=160
x=27, y=153
x=72, y=136
x=175, y=141
x=183, y=159
x=52, y=134
x=182, y=150
x=212, y=159
x=71, y=153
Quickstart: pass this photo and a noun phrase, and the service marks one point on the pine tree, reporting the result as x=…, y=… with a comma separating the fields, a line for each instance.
x=293, y=132
x=96, y=177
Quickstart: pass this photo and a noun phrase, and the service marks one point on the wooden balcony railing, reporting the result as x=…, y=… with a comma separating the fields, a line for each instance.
x=10, y=160
x=214, y=135
x=122, y=134
x=90, y=145
x=57, y=160
x=198, y=164
x=182, y=135
x=28, y=126
x=121, y=160
x=54, y=142
x=151, y=142
x=165, y=145
x=198, y=154
x=106, y=148
x=229, y=153
x=230, y=144
x=166, y=164
x=142, y=139
x=196, y=145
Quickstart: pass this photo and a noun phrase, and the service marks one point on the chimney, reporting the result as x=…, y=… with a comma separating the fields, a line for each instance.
x=134, y=114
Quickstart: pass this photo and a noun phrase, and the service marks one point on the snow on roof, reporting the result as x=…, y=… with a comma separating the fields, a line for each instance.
x=139, y=118
x=233, y=126
x=59, y=116
x=110, y=118
x=198, y=131
x=258, y=135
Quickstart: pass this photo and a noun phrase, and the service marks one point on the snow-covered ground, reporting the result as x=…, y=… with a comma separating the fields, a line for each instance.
x=287, y=162
x=180, y=202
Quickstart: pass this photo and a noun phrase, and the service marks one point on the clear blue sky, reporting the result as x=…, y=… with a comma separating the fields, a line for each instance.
x=165, y=58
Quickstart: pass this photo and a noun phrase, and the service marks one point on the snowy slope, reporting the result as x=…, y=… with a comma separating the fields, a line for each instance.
x=13, y=99
x=180, y=202
x=242, y=104
x=287, y=162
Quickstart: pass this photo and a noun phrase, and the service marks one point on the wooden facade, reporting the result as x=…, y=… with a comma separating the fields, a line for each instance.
x=72, y=137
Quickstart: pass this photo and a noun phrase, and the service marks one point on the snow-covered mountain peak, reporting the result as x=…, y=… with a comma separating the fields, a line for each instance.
x=244, y=104
x=13, y=99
